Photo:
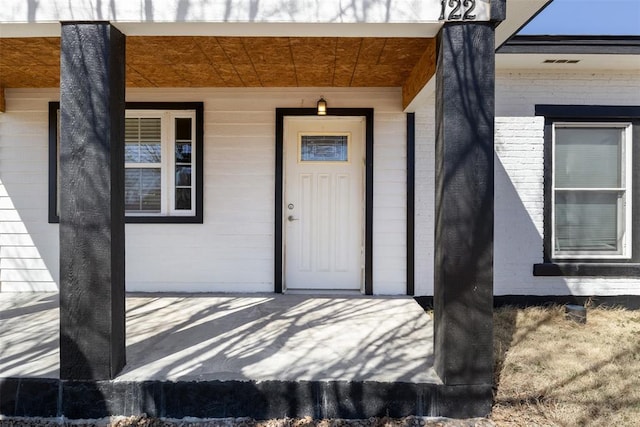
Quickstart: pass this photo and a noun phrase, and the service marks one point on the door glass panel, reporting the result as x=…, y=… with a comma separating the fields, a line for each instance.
x=324, y=148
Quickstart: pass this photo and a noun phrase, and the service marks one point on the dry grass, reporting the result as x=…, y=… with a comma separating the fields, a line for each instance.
x=555, y=372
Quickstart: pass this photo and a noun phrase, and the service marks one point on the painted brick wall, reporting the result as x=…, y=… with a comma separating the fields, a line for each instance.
x=233, y=250
x=519, y=175
x=424, y=201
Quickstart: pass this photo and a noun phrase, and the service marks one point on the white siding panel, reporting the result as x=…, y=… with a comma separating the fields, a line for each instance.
x=233, y=250
x=22, y=264
x=389, y=266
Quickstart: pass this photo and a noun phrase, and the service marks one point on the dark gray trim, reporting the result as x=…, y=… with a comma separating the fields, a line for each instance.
x=92, y=270
x=197, y=218
x=630, y=302
x=498, y=10
x=54, y=107
x=43, y=397
x=531, y=18
x=281, y=113
x=587, y=112
x=582, y=266
x=593, y=45
x=608, y=269
x=411, y=197
x=464, y=203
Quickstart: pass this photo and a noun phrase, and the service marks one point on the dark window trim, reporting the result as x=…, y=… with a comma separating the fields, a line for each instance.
x=581, y=266
x=54, y=218
x=594, y=45
x=281, y=113
x=197, y=218
x=411, y=193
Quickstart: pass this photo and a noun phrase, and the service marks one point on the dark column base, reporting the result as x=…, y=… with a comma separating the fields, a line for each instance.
x=223, y=399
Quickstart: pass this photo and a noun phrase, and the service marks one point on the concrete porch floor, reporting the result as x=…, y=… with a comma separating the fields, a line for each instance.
x=225, y=337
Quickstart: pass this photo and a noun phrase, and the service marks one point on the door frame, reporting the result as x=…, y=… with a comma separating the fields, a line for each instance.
x=281, y=113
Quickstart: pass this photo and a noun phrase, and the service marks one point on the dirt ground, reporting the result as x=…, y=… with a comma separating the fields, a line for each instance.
x=551, y=371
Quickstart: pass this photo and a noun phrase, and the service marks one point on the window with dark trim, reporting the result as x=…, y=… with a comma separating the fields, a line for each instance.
x=163, y=162
x=591, y=190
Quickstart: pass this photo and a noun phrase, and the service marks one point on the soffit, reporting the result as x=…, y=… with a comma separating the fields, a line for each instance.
x=585, y=62
x=202, y=61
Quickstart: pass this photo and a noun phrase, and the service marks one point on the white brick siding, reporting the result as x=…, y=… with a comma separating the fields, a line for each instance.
x=519, y=175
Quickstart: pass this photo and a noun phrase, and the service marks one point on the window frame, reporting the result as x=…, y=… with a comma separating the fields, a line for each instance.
x=595, y=265
x=171, y=215
x=626, y=188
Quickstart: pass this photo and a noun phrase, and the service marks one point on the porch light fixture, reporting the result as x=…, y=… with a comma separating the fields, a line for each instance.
x=322, y=107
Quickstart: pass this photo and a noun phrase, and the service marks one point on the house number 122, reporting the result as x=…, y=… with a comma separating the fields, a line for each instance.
x=456, y=9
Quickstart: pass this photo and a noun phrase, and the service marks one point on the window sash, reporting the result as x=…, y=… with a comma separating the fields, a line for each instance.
x=168, y=164
x=581, y=208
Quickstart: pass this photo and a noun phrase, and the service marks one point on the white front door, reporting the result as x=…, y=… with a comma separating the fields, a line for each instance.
x=324, y=202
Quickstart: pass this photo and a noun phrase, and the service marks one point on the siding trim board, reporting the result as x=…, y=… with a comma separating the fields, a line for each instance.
x=281, y=113
x=589, y=267
x=197, y=218
x=411, y=195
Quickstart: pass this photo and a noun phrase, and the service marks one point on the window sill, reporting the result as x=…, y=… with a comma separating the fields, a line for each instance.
x=163, y=219
x=152, y=220
x=586, y=269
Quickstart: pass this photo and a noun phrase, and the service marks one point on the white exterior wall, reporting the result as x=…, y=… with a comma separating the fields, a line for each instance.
x=233, y=250
x=519, y=175
x=425, y=196
x=28, y=243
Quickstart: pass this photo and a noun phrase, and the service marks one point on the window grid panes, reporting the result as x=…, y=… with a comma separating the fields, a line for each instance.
x=183, y=163
x=590, y=190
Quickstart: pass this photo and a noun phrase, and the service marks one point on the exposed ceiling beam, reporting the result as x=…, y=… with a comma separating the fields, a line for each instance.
x=420, y=75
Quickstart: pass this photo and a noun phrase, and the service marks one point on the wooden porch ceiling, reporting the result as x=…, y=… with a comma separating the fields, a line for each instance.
x=238, y=62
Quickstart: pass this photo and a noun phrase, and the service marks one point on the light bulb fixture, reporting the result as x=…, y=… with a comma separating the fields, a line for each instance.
x=322, y=107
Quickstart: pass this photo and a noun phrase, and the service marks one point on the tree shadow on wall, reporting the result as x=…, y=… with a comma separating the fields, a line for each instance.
x=251, y=11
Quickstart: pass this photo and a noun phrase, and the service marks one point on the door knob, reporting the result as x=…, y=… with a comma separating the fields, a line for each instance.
x=292, y=218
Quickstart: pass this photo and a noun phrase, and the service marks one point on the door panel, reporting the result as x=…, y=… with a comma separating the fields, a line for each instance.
x=324, y=202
